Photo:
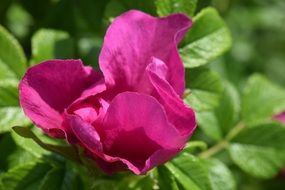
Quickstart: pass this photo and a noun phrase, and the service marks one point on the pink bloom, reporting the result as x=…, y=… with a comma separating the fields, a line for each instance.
x=280, y=117
x=132, y=115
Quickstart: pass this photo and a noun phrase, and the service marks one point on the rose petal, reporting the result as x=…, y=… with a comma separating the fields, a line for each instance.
x=89, y=138
x=135, y=127
x=85, y=132
x=130, y=42
x=280, y=117
x=139, y=140
x=48, y=88
x=94, y=89
x=180, y=115
x=159, y=157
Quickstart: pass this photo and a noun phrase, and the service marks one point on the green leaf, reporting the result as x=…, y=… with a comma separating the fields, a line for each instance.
x=25, y=177
x=12, y=67
x=6, y=72
x=261, y=100
x=66, y=151
x=205, y=89
x=260, y=150
x=217, y=123
x=165, y=179
x=221, y=177
x=51, y=44
x=193, y=145
x=127, y=181
x=8, y=93
x=89, y=50
x=10, y=113
x=102, y=184
x=228, y=111
x=257, y=161
x=29, y=145
x=167, y=7
x=13, y=155
x=60, y=179
x=190, y=172
x=19, y=157
x=144, y=183
x=12, y=56
x=209, y=124
x=206, y=40
x=195, y=173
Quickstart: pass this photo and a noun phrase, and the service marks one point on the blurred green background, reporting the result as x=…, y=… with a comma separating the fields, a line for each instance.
x=257, y=28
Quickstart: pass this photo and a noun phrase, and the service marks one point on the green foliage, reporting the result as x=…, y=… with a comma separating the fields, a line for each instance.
x=194, y=173
x=260, y=150
x=261, y=100
x=190, y=172
x=51, y=44
x=166, y=7
x=10, y=113
x=220, y=176
x=203, y=44
x=66, y=151
x=11, y=54
x=25, y=177
x=12, y=67
x=217, y=123
x=14, y=156
x=41, y=175
x=205, y=89
x=60, y=179
x=165, y=180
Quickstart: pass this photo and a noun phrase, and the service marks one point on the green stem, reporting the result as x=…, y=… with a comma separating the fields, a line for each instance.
x=214, y=149
x=235, y=131
x=224, y=143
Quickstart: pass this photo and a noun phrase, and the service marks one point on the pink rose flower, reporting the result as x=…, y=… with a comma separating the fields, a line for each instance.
x=129, y=117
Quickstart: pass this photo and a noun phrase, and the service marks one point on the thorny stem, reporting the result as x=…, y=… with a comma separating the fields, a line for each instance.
x=224, y=143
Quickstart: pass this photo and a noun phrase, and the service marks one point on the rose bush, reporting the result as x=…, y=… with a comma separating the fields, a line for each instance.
x=129, y=116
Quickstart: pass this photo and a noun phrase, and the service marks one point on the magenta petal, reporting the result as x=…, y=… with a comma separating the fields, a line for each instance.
x=94, y=89
x=86, y=133
x=159, y=157
x=180, y=115
x=133, y=39
x=135, y=127
x=49, y=87
x=280, y=117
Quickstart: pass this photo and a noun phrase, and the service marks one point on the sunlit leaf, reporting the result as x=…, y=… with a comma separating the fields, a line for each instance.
x=166, y=7
x=11, y=54
x=25, y=177
x=261, y=100
x=66, y=151
x=206, y=40
x=260, y=150
x=51, y=44
x=205, y=89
